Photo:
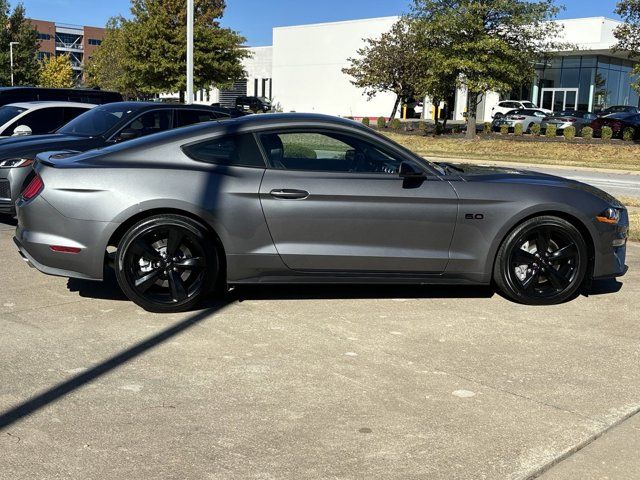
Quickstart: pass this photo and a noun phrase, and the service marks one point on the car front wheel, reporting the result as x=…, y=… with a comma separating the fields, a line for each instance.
x=543, y=261
x=166, y=264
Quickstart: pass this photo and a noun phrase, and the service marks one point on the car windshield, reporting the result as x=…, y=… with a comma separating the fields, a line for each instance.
x=8, y=113
x=618, y=108
x=98, y=120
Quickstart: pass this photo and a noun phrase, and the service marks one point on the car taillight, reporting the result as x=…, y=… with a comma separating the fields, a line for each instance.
x=36, y=185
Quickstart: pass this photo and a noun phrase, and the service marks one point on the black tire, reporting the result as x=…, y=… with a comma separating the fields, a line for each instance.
x=498, y=115
x=529, y=127
x=166, y=264
x=543, y=261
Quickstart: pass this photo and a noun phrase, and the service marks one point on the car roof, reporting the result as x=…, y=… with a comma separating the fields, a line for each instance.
x=49, y=104
x=161, y=105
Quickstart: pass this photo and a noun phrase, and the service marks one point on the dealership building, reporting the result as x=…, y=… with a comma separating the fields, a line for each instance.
x=302, y=71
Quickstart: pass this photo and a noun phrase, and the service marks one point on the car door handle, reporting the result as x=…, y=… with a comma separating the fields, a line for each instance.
x=287, y=194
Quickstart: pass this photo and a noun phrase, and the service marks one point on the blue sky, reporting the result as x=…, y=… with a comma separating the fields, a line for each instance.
x=255, y=18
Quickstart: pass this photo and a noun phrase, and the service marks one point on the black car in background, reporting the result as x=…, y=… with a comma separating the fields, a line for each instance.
x=101, y=126
x=253, y=104
x=618, y=109
x=36, y=94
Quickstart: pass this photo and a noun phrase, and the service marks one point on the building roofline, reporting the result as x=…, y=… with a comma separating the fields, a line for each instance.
x=339, y=22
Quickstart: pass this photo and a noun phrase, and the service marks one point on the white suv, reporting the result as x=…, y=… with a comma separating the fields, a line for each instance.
x=507, y=105
x=38, y=118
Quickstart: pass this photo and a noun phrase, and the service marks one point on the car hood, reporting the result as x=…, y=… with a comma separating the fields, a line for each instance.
x=489, y=173
x=11, y=146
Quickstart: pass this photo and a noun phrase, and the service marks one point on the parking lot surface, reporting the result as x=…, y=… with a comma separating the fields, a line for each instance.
x=316, y=382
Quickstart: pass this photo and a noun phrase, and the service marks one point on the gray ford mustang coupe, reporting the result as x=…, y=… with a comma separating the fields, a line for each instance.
x=292, y=198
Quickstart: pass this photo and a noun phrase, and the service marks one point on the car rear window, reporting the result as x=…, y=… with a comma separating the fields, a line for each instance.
x=232, y=150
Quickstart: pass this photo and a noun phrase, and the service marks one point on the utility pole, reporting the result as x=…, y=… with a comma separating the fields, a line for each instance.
x=11, y=44
x=189, y=99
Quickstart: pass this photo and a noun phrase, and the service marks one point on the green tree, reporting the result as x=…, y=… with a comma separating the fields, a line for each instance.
x=387, y=64
x=56, y=72
x=16, y=27
x=488, y=45
x=108, y=67
x=157, y=46
x=628, y=34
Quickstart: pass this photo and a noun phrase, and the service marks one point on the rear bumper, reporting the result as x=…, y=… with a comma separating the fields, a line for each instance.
x=40, y=226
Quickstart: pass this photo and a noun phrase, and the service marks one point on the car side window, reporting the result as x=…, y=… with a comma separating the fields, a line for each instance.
x=150, y=122
x=72, y=112
x=232, y=150
x=40, y=121
x=190, y=117
x=326, y=152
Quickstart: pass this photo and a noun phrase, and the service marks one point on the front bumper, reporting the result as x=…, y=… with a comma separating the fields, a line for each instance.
x=611, y=250
x=11, y=182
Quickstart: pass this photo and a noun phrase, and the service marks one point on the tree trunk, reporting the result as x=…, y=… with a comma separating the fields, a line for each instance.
x=395, y=108
x=446, y=116
x=472, y=105
x=182, y=96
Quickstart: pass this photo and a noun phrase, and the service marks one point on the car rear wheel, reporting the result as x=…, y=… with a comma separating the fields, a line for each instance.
x=543, y=261
x=166, y=264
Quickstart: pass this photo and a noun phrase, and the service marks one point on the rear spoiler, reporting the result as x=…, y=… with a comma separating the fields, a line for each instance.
x=52, y=159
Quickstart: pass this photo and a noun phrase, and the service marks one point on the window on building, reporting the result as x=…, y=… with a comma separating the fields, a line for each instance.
x=43, y=55
x=326, y=152
x=231, y=150
x=94, y=41
x=44, y=36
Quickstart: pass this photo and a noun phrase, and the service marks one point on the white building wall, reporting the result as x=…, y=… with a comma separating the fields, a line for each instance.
x=307, y=68
x=259, y=67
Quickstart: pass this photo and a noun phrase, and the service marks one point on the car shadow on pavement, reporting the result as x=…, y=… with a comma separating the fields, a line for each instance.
x=41, y=400
x=108, y=289
x=602, y=287
x=7, y=221
x=350, y=292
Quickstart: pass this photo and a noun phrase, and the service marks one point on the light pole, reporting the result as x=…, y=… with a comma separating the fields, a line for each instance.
x=189, y=98
x=11, y=44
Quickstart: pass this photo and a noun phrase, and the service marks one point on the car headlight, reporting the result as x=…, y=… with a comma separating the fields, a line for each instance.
x=16, y=162
x=610, y=216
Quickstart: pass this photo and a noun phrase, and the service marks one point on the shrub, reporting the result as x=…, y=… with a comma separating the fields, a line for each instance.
x=607, y=133
x=487, y=128
x=395, y=124
x=366, y=121
x=382, y=122
x=517, y=130
x=294, y=150
x=551, y=131
x=438, y=129
x=569, y=133
x=504, y=129
x=587, y=133
x=535, y=129
x=628, y=134
x=422, y=127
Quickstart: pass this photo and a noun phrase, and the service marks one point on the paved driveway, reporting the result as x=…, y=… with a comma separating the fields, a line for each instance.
x=305, y=383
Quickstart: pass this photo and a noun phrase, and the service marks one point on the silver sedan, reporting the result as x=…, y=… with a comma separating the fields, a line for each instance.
x=525, y=117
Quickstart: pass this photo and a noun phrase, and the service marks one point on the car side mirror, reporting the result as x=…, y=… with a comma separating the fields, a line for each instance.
x=408, y=170
x=128, y=134
x=21, y=130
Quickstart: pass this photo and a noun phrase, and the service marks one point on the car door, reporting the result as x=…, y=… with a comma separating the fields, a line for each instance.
x=335, y=202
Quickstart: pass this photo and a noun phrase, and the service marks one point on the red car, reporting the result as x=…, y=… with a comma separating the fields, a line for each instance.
x=618, y=123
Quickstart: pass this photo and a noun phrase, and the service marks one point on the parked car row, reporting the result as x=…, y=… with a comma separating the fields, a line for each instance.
x=39, y=126
x=618, y=118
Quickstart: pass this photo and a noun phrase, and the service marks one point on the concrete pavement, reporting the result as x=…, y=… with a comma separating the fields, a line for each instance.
x=314, y=382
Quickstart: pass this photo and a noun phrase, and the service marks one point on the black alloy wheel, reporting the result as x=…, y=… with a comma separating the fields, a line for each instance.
x=542, y=262
x=166, y=264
